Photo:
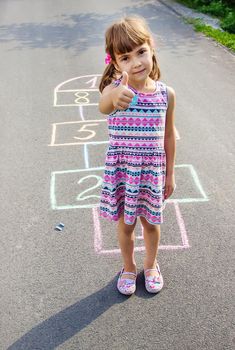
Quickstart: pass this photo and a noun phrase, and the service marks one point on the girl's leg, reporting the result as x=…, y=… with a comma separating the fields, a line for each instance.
x=126, y=237
x=151, y=241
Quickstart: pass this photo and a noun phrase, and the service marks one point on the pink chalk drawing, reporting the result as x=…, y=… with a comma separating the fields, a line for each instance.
x=98, y=241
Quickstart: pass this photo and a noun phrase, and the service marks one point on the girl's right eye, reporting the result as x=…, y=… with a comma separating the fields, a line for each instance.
x=125, y=58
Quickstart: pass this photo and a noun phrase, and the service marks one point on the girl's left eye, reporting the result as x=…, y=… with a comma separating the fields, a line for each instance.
x=141, y=52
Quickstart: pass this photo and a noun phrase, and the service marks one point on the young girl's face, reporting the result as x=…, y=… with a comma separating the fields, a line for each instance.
x=138, y=63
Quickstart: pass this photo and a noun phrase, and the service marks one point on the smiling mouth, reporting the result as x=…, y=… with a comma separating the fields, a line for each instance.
x=140, y=71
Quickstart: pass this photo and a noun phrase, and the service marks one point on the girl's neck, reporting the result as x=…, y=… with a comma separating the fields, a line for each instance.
x=146, y=86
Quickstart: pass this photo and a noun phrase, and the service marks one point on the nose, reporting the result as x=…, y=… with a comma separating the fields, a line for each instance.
x=136, y=62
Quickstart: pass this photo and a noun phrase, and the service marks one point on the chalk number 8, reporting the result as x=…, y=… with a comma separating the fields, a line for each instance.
x=82, y=97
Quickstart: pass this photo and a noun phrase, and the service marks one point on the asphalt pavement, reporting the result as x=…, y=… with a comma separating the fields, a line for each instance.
x=58, y=287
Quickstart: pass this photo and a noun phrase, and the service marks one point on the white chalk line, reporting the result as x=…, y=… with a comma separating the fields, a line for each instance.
x=175, y=200
x=58, y=88
x=85, y=122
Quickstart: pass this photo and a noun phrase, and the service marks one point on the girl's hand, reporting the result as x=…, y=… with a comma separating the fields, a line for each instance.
x=122, y=96
x=169, y=186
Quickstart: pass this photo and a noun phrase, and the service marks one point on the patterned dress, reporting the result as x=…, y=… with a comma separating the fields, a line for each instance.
x=135, y=165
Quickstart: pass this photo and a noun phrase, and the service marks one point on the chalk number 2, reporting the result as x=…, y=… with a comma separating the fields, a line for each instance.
x=82, y=98
x=98, y=183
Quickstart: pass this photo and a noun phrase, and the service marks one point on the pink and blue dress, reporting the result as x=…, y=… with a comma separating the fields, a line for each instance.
x=135, y=165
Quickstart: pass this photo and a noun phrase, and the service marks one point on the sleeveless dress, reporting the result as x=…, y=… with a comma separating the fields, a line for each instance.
x=135, y=165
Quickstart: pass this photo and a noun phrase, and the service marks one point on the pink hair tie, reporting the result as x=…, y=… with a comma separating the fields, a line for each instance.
x=108, y=58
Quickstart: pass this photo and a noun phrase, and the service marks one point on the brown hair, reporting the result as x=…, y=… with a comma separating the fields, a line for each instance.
x=124, y=36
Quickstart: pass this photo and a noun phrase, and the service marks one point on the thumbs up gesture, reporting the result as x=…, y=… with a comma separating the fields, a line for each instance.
x=125, y=78
x=122, y=95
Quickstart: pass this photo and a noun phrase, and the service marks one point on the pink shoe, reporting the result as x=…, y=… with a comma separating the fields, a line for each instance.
x=153, y=284
x=126, y=286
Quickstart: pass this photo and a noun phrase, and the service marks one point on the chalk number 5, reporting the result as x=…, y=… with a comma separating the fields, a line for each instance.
x=92, y=133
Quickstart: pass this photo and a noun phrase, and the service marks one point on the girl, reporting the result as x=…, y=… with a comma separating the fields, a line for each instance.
x=139, y=167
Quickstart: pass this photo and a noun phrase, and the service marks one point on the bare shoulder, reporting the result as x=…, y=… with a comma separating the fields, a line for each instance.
x=171, y=92
x=171, y=97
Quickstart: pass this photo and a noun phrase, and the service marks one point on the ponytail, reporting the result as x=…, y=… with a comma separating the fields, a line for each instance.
x=108, y=76
x=155, y=73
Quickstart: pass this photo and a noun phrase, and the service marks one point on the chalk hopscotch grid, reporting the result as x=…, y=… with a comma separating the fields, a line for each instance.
x=54, y=205
x=88, y=122
x=54, y=128
x=98, y=240
x=98, y=234
x=58, y=90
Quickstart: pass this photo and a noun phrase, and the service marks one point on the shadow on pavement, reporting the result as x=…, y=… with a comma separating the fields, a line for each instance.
x=81, y=31
x=65, y=324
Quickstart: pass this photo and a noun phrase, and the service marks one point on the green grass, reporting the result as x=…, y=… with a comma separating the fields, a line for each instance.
x=219, y=10
x=223, y=38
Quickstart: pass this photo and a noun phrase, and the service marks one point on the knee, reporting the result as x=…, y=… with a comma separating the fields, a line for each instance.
x=149, y=228
x=128, y=229
x=125, y=228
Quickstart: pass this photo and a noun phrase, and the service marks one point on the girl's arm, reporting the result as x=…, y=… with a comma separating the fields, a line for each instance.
x=170, y=143
x=106, y=102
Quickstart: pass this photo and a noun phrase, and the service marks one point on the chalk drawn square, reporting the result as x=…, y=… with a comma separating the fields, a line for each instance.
x=80, y=188
x=189, y=188
x=78, y=91
x=73, y=189
x=90, y=112
x=78, y=133
x=175, y=237
x=96, y=154
x=79, y=97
